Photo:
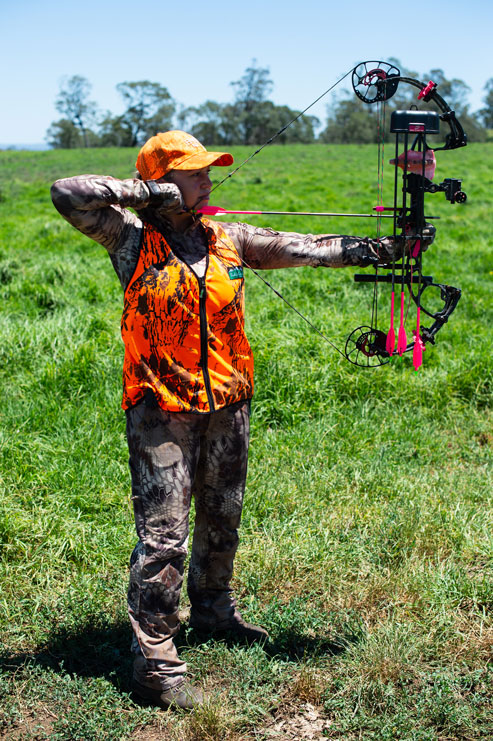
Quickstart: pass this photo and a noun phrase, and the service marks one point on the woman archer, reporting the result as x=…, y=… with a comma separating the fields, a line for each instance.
x=187, y=383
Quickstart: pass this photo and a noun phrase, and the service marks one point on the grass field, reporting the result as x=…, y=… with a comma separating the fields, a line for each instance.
x=367, y=539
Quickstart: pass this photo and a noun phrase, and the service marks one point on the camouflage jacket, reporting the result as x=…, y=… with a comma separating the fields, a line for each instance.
x=99, y=207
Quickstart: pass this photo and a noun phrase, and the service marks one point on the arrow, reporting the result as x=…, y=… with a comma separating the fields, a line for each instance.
x=218, y=211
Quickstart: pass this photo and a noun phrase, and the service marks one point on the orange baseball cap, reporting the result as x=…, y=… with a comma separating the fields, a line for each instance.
x=176, y=150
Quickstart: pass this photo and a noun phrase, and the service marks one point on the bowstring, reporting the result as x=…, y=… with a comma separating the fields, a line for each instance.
x=251, y=156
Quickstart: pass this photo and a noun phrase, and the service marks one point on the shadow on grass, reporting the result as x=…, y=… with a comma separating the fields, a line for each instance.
x=288, y=645
x=89, y=652
x=105, y=651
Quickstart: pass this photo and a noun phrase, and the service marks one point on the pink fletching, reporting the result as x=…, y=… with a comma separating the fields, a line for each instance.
x=390, y=342
x=416, y=248
x=214, y=210
x=379, y=208
x=401, y=341
x=210, y=210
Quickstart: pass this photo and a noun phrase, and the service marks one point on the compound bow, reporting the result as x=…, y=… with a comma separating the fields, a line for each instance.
x=376, y=82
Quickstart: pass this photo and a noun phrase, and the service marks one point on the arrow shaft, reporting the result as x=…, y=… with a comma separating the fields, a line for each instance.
x=314, y=213
x=216, y=211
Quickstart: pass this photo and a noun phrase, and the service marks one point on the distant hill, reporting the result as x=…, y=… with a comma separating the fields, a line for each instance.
x=40, y=146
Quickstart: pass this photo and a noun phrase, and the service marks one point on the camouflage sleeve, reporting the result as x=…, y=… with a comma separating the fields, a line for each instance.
x=264, y=249
x=98, y=206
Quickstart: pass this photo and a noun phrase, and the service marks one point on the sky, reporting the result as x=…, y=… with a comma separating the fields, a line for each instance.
x=196, y=49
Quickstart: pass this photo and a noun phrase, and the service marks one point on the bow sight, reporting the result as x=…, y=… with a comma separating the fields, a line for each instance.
x=377, y=82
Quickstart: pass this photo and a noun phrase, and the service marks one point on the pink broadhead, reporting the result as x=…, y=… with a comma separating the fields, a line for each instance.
x=415, y=162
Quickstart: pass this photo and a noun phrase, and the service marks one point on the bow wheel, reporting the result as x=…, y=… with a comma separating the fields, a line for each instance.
x=373, y=81
x=365, y=347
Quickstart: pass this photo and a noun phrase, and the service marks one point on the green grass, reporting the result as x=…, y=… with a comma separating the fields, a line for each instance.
x=367, y=535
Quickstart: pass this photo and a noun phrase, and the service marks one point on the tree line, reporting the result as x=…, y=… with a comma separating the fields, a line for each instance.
x=250, y=118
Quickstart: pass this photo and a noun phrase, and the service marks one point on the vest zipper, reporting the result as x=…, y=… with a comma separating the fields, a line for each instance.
x=203, y=340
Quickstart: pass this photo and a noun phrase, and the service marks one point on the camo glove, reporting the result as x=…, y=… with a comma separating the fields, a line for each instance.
x=164, y=197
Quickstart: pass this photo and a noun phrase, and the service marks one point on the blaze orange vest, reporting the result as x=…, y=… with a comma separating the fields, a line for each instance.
x=184, y=336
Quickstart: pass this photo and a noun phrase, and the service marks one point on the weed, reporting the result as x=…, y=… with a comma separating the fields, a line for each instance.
x=210, y=723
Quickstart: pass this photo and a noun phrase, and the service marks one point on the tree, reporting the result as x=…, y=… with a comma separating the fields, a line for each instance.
x=221, y=124
x=114, y=131
x=269, y=119
x=74, y=104
x=254, y=86
x=350, y=121
x=251, y=92
x=207, y=122
x=64, y=134
x=150, y=109
x=302, y=130
x=486, y=113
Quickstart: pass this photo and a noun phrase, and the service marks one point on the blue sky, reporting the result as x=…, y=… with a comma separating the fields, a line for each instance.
x=196, y=49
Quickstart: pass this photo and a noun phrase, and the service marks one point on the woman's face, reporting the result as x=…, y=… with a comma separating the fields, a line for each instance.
x=195, y=185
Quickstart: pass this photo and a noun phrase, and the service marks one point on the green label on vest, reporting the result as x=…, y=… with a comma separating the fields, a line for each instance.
x=235, y=273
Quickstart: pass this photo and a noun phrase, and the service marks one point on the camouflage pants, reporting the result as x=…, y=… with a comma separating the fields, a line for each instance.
x=174, y=456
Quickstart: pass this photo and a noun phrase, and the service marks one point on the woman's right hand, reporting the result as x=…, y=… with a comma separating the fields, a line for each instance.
x=166, y=198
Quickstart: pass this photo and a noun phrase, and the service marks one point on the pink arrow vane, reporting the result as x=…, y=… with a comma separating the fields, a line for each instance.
x=218, y=211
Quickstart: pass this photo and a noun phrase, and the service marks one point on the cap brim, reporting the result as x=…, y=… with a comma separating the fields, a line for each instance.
x=204, y=159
